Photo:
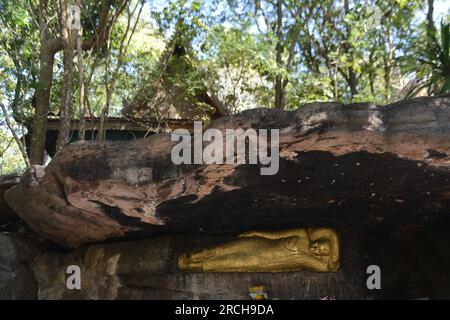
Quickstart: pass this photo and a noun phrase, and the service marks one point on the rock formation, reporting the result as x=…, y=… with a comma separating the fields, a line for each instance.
x=378, y=175
x=147, y=269
x=17, y=253
x=6, y=213
x=338, y=163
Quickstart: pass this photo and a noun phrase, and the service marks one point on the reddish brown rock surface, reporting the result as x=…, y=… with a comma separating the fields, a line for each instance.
x=6, y=213
x=340, y=164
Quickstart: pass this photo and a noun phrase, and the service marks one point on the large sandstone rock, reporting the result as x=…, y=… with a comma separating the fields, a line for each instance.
x=340, y=164
x=17, y=253
x=6, y=213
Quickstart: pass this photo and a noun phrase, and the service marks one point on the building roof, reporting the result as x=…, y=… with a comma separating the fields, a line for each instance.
x=130, y=124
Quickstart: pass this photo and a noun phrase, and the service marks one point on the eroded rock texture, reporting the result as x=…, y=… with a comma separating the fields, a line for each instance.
x=378, y=175
x=339, y=164
x=413, y=259
x=17, y=253
x=147, y=269
x=6, y=213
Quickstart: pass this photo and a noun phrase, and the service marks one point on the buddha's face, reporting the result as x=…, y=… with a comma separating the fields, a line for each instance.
x=320, y=248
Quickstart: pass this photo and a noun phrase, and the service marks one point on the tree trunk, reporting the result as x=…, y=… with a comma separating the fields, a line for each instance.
x=82, y=102
x=279, y=89
x=66, y=93
x=353, y=82
x=388, y=60
x=431, y=28
x=101, y=135
x=372, y=72
x=431, y=36
x=48, y=49
x=42, y=93
x=110, y=87
x=352, y=79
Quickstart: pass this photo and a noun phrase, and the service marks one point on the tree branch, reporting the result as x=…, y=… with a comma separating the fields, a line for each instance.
x=21, y=146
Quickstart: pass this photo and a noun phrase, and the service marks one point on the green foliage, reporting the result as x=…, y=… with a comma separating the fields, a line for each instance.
x=430, y=62
x=11, y=160
x=233, y=62
x=18, y=59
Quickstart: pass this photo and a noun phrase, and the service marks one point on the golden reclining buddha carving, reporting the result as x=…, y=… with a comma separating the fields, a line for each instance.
x=313, y=249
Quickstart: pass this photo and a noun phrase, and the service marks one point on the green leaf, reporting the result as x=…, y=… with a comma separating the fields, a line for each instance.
x=196, y=5
x=402, y=3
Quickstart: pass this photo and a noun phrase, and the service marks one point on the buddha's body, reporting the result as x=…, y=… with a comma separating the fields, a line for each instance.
x=291, y=250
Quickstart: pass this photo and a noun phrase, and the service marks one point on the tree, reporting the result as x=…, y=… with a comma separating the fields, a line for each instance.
x=177, y=80
x=133, y=11
x=283, y=20
x=428, y=57
x=49, y=46
x=232, y=63
x=66, y=92
x=17, y=72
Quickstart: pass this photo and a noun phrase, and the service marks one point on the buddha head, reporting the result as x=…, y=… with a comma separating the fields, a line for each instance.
x=320, y=248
